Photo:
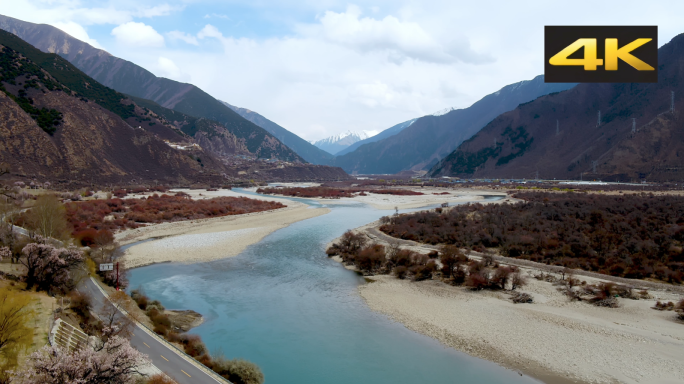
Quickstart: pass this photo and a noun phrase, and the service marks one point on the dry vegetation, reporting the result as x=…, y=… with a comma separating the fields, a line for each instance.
x=92, y=222
x=633, y=236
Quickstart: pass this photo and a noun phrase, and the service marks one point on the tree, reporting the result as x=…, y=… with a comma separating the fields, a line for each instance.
x=113, y=319
x=5, y=252
x=16, y=334
x=449, y=256
x=113, y=362
x=49, y=267
x=48, y=218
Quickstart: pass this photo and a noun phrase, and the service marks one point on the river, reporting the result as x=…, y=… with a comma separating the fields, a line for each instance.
x=285, y=306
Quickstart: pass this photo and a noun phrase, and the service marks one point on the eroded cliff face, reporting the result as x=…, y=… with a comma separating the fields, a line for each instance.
x=90, y=144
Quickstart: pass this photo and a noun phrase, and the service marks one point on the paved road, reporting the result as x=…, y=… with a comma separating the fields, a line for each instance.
x=162, y=356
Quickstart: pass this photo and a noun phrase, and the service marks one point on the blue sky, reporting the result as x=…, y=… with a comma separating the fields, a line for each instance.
x=320, y=68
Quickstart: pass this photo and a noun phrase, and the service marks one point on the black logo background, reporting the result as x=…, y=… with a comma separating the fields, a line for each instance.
x=556, y=38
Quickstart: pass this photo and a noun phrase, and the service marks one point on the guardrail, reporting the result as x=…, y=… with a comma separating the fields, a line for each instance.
x=180, y=353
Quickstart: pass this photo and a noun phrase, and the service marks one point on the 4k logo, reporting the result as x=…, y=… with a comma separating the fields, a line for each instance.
x=601, y=54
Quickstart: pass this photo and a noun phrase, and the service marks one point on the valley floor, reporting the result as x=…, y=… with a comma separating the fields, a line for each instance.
x=554, y=339
x=209, y=239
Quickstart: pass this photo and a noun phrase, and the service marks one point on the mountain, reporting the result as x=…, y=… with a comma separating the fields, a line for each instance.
x=528, y=143
x=131, y=79
x=337, y=143
x=391, y=131
x=303, y=148
x=432, y=137
x=59, y=125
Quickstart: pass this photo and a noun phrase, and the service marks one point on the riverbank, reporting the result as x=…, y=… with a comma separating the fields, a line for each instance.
x=554, y=339
x=430, y=196
x=209, y=239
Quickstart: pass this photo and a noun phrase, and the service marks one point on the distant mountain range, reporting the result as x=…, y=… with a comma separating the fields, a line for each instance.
x=391, y=131
x=561, y=135
x=336, y=143
x=426, y=140
x=134, y=80
x=303, y=148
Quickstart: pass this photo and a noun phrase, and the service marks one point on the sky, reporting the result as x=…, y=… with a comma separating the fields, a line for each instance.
x=321, y=68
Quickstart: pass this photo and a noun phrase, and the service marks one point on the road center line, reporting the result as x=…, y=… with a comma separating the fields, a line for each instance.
x=164, y=357
x=147, y=345
x=185, y=373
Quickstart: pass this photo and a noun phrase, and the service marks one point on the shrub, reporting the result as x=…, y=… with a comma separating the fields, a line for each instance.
x=521, y=298
x=160, y=378
x=160, y=329
x=400, y=272
x=610, y=302
x=238, y=371
x=80, y=303
x=660, y=306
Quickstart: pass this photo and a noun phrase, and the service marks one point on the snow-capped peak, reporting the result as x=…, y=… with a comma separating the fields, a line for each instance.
x=443, y=111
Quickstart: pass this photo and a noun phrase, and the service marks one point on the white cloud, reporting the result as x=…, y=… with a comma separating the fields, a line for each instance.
x=77, y=31
x=138, y=35
x=178, y=35
x=217, y=16
x=401, y=39
x=168, y=68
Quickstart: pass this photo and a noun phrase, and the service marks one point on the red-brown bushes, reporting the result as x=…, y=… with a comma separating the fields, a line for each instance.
x=106, y=216
x=634, y=236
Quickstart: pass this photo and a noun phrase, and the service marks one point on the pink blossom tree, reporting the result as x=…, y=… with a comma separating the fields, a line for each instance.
x=112, y=362
x=49, y=267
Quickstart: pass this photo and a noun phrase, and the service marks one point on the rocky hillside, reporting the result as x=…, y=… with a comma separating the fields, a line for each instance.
x=61, y=126
x=527, y=141
x=131, y=79
x=303, y=148
x=432, y=137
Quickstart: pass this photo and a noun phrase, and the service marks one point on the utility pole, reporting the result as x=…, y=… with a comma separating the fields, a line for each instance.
x=117, y=276
x=593, y=166
x=495, y=143
x=633, y=125
x=598, y=124
x=672, y=102
x=537, y=175
x=556, y=127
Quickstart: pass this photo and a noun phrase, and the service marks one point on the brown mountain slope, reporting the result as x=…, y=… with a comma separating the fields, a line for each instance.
x=89, y=143
x=130, y=79
x=527, y=142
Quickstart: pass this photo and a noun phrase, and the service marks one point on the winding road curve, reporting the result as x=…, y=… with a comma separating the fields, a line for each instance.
x=165, y=357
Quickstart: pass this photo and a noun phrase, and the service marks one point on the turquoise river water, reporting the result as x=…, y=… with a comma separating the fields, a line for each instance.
x=285, y=306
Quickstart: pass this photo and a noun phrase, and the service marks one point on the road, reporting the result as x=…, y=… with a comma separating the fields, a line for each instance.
x=163, y=356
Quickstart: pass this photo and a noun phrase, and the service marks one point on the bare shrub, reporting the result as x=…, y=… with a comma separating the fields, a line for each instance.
x=400, y=272
x=660, y=306
x=517, y=280
x=238, y=371
x=521, y=298
x=609, y=302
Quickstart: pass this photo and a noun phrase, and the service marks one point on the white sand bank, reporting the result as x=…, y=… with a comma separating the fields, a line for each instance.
x=554, y=339
x=209, y=239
